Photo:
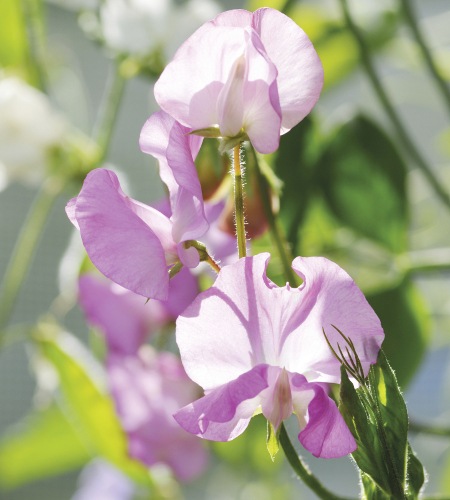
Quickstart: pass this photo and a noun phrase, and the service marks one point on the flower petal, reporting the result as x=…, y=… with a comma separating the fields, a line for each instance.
x=117, y=237
x=123, y=317
x=326, y=434
x=300, y=72
x=191, y=96
x=216, y=352
x=329, y=297
x=225, y=412
x=175, y=150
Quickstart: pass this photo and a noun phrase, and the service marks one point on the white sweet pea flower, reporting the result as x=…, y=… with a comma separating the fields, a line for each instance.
x=29, y=129
x=134, y=26
x=140, y=27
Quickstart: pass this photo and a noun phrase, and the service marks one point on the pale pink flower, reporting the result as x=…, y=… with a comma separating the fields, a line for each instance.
x=132, y=243
x=253, y=345
x=247, y=74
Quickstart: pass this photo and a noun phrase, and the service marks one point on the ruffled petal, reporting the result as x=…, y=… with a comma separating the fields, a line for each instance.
x=219, y=334
x=262, y=112
x=326, y=434
x=191, y=96
x=224, y=413
x=116, y=235
x=300, y=72
x=329, y=297
x=173, y=147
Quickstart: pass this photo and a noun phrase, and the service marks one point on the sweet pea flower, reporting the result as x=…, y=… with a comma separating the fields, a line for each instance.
x=241, y=75
x=25, y=145
x=268, y=351
x=116, y=311
x=142, y=27
x=147, y=387
x=132, y=243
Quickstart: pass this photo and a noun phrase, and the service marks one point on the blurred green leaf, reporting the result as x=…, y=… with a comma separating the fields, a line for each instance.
x=363, y=179
x=377, y=416
x=43, y=444
x=87, y=404
x=405, y=319
x=13, y=41
x=294, y=168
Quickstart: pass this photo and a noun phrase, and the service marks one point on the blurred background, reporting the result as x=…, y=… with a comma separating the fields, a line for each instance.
x=361, y=195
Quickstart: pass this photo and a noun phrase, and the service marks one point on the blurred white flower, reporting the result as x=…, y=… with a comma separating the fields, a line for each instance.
x=139, y=27
x=134, y=26
x=29, y=129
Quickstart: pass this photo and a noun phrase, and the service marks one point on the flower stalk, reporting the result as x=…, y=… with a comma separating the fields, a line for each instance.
x=26, y=245
x=239, y=202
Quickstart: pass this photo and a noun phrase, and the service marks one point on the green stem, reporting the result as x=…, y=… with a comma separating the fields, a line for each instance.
x=34, y=27
x=239, y=202
x=25, y=247
x=425, y=261
x=408, y=143
x=108, y=111
x=429, y=429
x=275, y=229
x=408, y=11
x=301, y=469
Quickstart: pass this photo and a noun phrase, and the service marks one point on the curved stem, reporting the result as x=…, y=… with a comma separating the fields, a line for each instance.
x=301, y=469
x=35, y=38
x=429, y=429
x=425, y=261
x=275, y=229
x=239, y=202
x=109, y=109
x=408, y=143
x=26, y=245
x=410, y=18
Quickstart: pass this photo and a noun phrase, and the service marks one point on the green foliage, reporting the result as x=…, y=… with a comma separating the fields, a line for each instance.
x=43, y=444
x=363, y=180
x=296, y=171
x=88, y=406
x=405, y=319
x=13, y=42
x=273, y=447
x=376, y=414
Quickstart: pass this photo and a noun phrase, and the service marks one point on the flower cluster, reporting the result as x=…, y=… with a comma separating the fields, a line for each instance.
x=251, y=345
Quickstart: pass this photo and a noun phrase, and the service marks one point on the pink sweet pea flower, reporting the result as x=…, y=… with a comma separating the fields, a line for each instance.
x=124, y=318
x=134, y=244
x=243, y=73
x=147, y=390
x=147, y=387
x=268, y=351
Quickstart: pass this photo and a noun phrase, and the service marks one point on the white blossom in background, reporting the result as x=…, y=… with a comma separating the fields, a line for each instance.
x=134, y=26
x=29, y=129
x=139, y=27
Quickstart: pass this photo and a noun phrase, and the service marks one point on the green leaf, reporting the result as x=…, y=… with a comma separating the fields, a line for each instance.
x=377, y=416
x=294, y=168
x=363, y=180
x=405, y=319
x=45, y=434
x=371, y=491
x=273, y=446
x=86, y=403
